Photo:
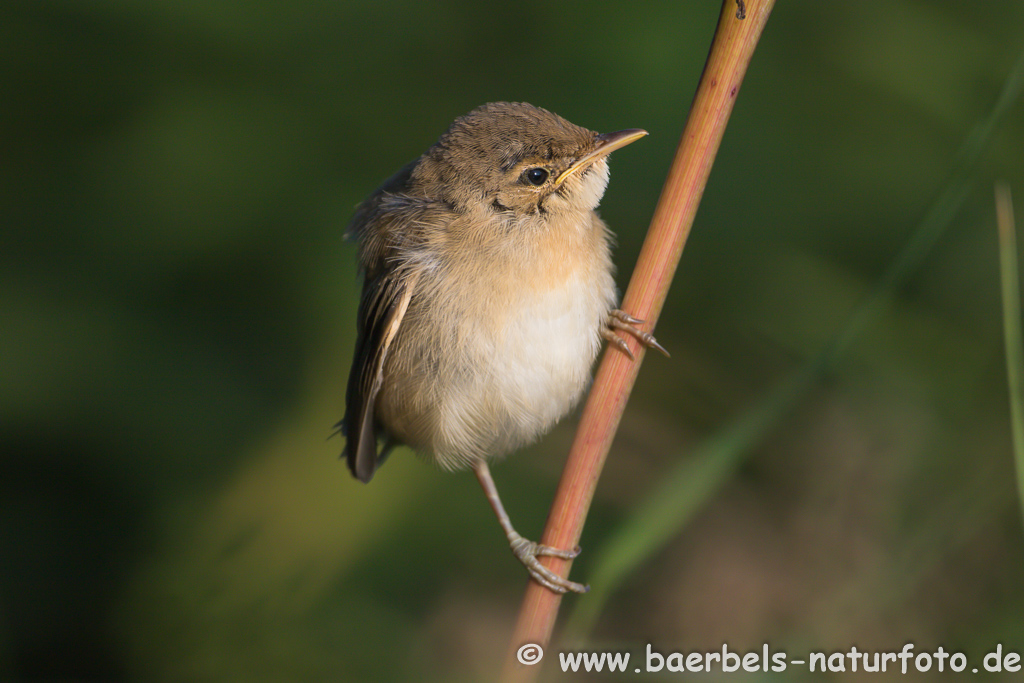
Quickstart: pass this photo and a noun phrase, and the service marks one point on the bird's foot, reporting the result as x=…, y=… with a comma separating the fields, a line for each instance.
x=527, y=552
x=620, y=320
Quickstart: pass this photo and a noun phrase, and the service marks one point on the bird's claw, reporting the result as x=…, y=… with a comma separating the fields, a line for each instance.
x=527, y=552
x=620, y=320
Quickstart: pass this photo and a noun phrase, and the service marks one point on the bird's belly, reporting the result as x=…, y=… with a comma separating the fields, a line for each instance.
x=523, y=362
x=535, y=368
x=543, y=358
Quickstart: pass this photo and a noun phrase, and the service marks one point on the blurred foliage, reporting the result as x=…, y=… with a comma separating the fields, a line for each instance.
x=177, y=310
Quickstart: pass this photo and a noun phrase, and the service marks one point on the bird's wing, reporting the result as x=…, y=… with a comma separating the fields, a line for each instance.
x=382, y=226
x=385, y=301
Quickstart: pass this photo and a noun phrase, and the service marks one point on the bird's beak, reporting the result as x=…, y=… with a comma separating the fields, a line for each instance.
x=606, y=144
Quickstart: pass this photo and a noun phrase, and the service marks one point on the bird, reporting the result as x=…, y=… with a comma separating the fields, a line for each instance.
x=487, y=290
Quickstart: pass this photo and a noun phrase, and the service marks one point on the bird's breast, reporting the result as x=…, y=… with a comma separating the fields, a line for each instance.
x=497, y=348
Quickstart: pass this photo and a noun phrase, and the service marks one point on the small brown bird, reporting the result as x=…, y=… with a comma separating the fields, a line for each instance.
x=487, y=290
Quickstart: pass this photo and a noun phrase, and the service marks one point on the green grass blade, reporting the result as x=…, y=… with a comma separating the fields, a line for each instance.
x=1010, y=280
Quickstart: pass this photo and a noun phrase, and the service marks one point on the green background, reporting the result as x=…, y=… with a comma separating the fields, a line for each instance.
x=178, y=315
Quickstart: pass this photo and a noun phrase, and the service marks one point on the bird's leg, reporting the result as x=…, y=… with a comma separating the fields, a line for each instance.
x=620, y=320
x=528, y=551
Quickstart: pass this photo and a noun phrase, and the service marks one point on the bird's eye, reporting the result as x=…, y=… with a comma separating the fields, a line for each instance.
x=536, y=176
